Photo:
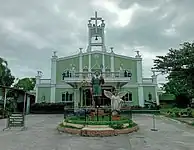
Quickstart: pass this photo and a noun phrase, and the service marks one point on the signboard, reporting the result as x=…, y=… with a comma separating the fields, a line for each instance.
x=16, y=120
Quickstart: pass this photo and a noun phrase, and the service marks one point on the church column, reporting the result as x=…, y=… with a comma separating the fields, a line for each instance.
x=76, y=100
x=103, y=62
x=140, y=95
x=80, y=60
x=157, y=98
x=112, y=62
x=89, y=36
x=154, y=79
x=139, y=79
x=103, y=38
x=53, y=77
x=38, y=77
x=89, y=67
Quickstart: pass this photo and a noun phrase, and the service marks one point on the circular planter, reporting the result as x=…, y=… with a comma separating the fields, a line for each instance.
x=97, y=130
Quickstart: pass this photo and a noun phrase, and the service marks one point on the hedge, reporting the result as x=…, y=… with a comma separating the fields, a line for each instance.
x=48, y=107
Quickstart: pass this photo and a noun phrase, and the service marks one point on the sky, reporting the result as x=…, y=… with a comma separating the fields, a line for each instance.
x=30, y=30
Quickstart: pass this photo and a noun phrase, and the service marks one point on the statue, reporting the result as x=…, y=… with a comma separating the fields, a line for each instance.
x=115, y=100
x=97, y=82
x=121, y=67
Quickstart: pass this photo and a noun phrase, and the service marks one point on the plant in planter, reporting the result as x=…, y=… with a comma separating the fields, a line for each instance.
x=117, y=126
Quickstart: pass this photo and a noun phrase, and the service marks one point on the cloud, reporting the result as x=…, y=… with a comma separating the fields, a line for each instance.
x=30, y=30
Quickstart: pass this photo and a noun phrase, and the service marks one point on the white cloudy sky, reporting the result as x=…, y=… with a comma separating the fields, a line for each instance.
x=31, y=29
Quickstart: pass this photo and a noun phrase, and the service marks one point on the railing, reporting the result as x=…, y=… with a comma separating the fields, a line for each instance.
x=99, y=116
x=45, y=81
x=88, y=76
x=147, y=80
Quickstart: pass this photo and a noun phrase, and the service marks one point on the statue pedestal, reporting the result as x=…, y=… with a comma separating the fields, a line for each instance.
x=116, y=117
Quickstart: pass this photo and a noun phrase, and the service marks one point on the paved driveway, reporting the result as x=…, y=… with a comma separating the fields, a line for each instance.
x=42, y=135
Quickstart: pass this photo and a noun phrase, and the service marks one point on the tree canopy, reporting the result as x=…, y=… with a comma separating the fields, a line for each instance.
x=6, y=77
x=179, y=65
x=26, y=84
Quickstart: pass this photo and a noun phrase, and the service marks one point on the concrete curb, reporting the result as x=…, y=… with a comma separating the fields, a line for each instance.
x=98, y=133
x=177, y=120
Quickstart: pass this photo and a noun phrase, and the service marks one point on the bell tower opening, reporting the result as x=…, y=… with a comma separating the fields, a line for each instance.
x=96, y=27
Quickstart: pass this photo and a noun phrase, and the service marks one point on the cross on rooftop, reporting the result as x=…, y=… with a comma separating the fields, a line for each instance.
x=96, y=19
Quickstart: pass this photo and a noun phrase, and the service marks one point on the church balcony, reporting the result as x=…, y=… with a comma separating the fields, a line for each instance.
x=109, y=77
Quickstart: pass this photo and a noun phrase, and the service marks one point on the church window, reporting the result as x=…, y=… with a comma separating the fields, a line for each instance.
x=150, y=96
x=107, y=72
x=127, y=73
x=127, y=97
x=63, y=97
x=67, y=97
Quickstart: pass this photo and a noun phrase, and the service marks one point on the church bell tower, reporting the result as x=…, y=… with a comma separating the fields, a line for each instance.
x=96, y=27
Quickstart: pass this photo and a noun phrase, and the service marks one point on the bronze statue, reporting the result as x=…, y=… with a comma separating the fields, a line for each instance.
x=97, y=81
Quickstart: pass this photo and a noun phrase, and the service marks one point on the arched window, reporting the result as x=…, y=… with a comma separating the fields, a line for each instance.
x=128, y=97
x=149, y=96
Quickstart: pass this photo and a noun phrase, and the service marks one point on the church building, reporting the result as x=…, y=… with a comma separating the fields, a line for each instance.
x=71, y=75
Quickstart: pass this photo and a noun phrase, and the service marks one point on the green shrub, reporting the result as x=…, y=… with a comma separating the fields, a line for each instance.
x=178, y=112
x=117, y=126
x=48, y=107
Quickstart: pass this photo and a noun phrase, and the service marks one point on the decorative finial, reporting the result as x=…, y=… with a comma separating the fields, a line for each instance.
x=153, y=72
x=80, y=50
x=39, y=73
x=54, y=53
x=111, y=48
x=138, y=55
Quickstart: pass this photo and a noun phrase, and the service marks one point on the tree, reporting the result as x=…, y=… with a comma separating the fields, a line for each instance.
x=6, y=78
x=179, y=65
x=26, y=84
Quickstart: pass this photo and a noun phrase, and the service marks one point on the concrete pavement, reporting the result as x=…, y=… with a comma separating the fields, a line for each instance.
x=42, y=135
